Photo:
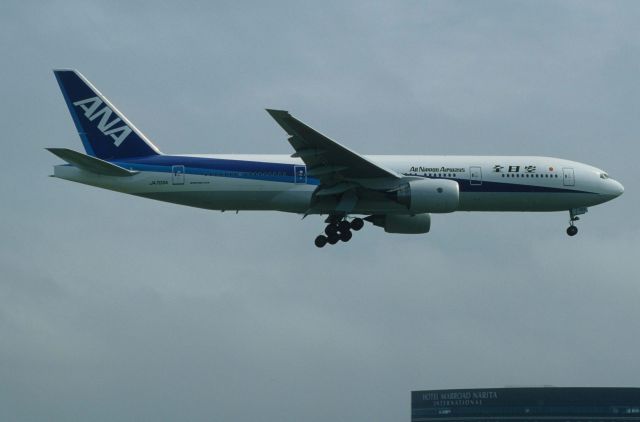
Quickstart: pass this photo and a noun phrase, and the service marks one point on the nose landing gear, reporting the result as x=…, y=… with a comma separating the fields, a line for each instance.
x=572, y=230
x=338, y=229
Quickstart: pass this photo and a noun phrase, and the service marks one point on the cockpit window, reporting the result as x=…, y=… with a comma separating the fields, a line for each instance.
x=604, y=176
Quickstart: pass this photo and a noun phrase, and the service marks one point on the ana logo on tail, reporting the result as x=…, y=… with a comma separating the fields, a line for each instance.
x=92, y=111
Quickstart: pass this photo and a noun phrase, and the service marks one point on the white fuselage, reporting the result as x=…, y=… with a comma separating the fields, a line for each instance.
x=279, y=182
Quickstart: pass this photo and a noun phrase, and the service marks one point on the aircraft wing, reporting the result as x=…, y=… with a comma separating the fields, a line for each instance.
x=326, y=159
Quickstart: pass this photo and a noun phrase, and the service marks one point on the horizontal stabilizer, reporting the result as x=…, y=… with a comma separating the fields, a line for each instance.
x=89, y=163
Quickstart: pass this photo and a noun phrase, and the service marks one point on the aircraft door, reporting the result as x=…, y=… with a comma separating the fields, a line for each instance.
x=177, y=175
x=475, y=175
x=300, y=174
x=568, y=178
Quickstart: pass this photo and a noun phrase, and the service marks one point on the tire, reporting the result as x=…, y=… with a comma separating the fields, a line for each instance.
x=333, y=239
x=357, y=224
x=572, y=230
x=331, y=229
x=344, y=226
x=346, y=236
x=321, y=241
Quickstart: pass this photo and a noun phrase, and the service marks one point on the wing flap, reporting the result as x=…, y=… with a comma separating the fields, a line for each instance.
x=322, y=170
x=306, y=153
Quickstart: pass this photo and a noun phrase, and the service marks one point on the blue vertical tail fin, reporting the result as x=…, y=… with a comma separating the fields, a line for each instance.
x=105, y=132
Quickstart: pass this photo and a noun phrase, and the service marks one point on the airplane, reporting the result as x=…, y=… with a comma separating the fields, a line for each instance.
x=322, y=177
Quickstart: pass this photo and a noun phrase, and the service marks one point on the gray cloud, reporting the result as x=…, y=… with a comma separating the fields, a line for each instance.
x=114, y=307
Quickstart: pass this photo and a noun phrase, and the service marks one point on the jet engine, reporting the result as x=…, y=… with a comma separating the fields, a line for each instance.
x=429, y=195
x=406, y=224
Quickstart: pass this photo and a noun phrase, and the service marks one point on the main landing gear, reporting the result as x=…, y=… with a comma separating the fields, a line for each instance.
x=572, y=230
x=338, y=229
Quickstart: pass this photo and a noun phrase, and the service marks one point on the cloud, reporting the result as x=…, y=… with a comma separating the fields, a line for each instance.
x=115, y=307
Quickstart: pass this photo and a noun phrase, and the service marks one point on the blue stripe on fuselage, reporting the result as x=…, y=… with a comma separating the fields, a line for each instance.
x=466, y=187
x=240, y=169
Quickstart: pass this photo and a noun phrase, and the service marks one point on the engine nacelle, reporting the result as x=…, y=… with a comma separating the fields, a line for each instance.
x=430, y=195
x=406, y=224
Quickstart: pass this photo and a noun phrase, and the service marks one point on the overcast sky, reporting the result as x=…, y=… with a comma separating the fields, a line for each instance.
x=114, y=307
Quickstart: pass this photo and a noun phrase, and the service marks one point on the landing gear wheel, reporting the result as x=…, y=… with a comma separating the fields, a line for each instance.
x=344, y=226
x=333, y=239
x=321, y=241
x=346, y=236
x=357, y=224
x=572, y=230
x=331, y=230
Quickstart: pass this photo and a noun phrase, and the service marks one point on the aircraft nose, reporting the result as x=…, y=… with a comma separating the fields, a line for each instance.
x=616, y=188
